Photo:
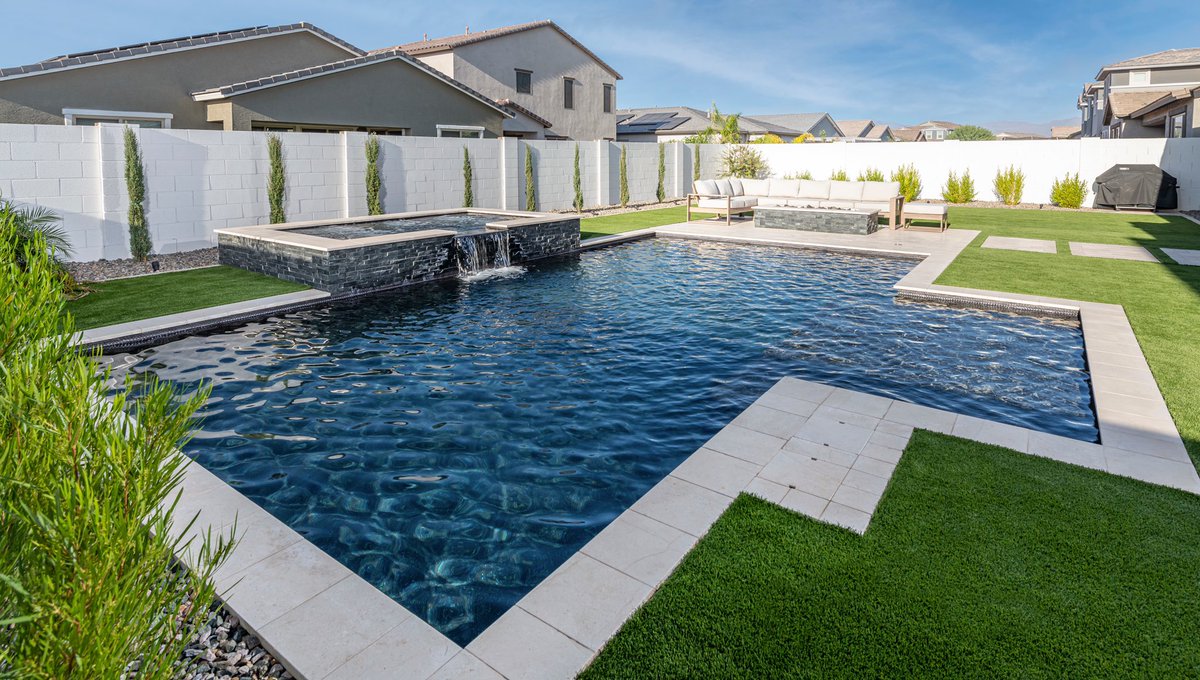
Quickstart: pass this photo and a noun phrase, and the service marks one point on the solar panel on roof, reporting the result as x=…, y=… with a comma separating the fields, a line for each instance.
x=648, y=118
x=672, y=124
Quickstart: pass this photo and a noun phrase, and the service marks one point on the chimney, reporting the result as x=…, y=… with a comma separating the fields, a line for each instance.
x=468, y=30
x=425, y=37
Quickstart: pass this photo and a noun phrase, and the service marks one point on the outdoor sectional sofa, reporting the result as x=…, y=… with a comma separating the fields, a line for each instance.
x=733, y=196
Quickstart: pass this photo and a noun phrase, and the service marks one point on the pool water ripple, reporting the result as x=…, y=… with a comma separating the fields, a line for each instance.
x=455, y=442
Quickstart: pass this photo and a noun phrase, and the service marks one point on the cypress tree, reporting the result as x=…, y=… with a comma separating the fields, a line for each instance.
x=135, y=184
x=530, y=187
x=624, y=179
x=468, y=194
x=661, y=192
x=696, y=163
x=374, y=205
x=276, y=181
x=578, y=203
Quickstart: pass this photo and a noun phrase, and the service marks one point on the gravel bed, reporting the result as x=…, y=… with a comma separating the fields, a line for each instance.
x=1194, y=214
x=1019, y=206
x=617, y=210
x=223, y=650
x=107, y=270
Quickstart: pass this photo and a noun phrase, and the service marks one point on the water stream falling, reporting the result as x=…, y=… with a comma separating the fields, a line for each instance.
x=484, y=255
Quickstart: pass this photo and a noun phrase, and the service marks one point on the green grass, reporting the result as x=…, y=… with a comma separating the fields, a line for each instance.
x=638, y=219
x=1162, y=301
x=149, y=296
x=979, y=562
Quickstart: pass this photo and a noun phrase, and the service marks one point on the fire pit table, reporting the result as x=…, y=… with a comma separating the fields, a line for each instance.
x=828, y=220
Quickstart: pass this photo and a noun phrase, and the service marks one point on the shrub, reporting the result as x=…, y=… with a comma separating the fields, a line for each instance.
x=959, y=189
x=1068, y=192
x=135, y=184
x=871, y=175
x=36, y=227
x=276, y=181
x=799, y=175
x=839, y=176
x=374, y=205
x=1009, y=185
x=88, y=578
x=660, y=192
x=578, y=183
x=971, y=133
x=769, y=138
x=530, y=186
x=623, y=177
x=910, y=181
x=804, y=138
x=743, y=161
x=468, y=189
x=696, y=163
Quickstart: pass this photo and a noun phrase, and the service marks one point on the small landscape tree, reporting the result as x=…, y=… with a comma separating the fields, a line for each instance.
x=660, y=192
x=578, y=184
x=971, y=133
x=623, y=177
x=373, y=181
x=135, y=185
x=276, y=180
x=745, y=162
x=468, y=189
x=530, y=186
x=696, y=163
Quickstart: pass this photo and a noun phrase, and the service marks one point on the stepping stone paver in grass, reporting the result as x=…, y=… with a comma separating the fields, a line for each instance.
x=1112, y=252
x=1184, y=256
x=1027, y=245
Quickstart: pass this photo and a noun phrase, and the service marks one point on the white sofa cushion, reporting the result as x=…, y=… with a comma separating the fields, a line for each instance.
x=724, y=187
x=880, y=191
x=882, y=206
x=924, y=209
x=733, y=203
x=845, y=191
x=705, y=187
x=755, y=187
x=736, y=184
x=814, y=189
x=783, y=187
x=773, y=202
x=834, y=203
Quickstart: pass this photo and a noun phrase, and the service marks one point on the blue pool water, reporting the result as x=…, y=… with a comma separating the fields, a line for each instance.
x=453, y=443
x=463, y=223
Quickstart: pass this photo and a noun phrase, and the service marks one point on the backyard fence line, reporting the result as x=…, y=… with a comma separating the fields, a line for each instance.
x=197, y=181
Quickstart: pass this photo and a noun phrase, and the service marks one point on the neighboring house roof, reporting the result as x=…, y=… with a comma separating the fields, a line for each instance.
x=1163, y=100
x=944, y=124
x=799, y=122
x=452, y=41
x=1122, y=104
x=234, y=89
x=1178, y=57
x=684, y=120
x=513, y=106
x=148, y=49
x=907, y=134
x=855, y=128
x=1065, y=132
x=1018, y=135
x=880, y=132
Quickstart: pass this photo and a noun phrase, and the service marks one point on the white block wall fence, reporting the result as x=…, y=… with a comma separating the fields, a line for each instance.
x=201, y=180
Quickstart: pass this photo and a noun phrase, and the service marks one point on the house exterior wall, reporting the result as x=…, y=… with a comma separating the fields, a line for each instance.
x=489, y=67
x=827, y=126
x=388, y=94
x=162, y=83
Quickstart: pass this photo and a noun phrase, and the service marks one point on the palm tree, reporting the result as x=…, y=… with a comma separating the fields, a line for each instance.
x=726, y=127
x=32, y=226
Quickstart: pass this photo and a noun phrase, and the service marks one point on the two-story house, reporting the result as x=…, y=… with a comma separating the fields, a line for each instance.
x=555, y=87
x=929, y=131
x=1151, y=96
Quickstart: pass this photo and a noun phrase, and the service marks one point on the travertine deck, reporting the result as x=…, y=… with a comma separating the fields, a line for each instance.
x=826, y=452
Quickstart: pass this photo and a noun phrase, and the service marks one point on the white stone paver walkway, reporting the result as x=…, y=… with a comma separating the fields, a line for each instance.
x=1184, y=256
x=1112, y=252
x=1027, y=245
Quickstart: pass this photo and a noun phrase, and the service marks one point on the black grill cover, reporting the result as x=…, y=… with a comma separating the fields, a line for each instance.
x=1136, y=186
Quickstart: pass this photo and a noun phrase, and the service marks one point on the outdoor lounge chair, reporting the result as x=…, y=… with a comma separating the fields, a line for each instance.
x=926, y=212
x=721, y=197
x=736, y=196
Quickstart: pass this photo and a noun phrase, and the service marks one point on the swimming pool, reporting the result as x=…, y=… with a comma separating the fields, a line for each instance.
x=463, y=223
x=455, y=442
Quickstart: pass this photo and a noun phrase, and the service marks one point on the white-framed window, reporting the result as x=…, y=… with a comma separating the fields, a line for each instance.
x=1139, y=77
x=144, y=119
x=460, y=131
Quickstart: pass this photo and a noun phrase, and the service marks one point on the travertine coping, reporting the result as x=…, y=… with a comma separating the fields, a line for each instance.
x=822, y=451
x=283, y=233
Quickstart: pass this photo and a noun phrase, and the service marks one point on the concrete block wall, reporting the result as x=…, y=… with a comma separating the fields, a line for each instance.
x=201, y=180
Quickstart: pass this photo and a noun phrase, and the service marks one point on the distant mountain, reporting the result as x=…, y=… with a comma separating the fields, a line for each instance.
x=1042, y=129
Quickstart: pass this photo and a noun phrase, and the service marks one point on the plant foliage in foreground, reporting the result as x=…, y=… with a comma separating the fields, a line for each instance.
x=88, y=582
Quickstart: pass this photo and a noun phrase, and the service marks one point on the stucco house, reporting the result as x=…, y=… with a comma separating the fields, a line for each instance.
x=865, y=131
x=1155, y=95
x=294, y=77
x=929, y=131
x=677, y=123
x=555, y=86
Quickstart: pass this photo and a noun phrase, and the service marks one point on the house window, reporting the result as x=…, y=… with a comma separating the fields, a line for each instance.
x=524, y=81
x=135, y=118
x=608, y=98
x=1175, y=129
x=568, y=93
x=1139, y=77
x=460, y=131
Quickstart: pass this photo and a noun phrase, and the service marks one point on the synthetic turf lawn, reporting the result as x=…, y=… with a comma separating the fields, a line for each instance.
x=592, y=227
x=979, y=562
x=144, y=297
x=1162, y=301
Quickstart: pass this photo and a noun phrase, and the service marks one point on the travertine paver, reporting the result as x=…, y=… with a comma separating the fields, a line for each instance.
x=1112, y=252
x=1184, y=256
x=1027, y=245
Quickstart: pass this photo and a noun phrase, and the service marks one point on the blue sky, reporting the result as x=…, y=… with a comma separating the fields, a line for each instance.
x=896, y=62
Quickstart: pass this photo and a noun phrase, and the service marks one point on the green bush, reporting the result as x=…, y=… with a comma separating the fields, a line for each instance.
x=135, y=184
x=468, y=181
x=971, y=133
x=769, y=138
x=33, y=226
x=743, y=161
x=696, y=163
x=839, y=176
x=373, y=181
x=660, y=193
x=277, y=180
x=623, y=177
x=530, y=186
x=799, y=175
x=578, y=183
x=871, y=175
x=1009, y=185
x=803, y=139
x=910, y=181
x=1068, y=192
x=959, y=189
x=88, y=579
